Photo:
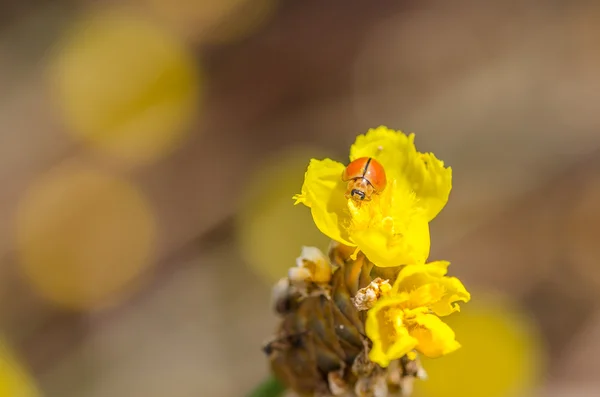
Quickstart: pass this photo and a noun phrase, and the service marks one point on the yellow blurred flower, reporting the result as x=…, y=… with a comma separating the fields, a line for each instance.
x=84, y=237
x=406, y=318
x=15, y=380
x=393, y=228
x=265, y=212
x=500, y=337
x=124, y=85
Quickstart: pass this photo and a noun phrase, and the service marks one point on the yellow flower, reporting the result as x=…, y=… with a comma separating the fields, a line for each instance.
x=407, y=319
x=393, y=228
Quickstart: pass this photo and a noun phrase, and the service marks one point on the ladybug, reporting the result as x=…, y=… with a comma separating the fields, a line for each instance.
x=365, y=177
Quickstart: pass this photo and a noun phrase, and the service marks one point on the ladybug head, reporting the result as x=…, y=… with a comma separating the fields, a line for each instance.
x=358, y=194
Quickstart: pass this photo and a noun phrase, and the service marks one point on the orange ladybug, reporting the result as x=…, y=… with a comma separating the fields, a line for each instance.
x=365, y=177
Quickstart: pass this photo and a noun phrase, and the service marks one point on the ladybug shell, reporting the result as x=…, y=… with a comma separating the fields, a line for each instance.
x=367, y=168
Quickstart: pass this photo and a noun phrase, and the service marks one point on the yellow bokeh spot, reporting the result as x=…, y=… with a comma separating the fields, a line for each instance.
x=14, y=379
x=83, y=237
x=124, y=86
x=501, y=354
x=270, y=229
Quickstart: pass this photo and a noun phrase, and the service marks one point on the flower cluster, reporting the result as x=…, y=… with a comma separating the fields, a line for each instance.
x=407, y=317
x=392, y=231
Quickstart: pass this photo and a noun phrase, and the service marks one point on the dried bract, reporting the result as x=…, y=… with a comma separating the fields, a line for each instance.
x=366, y=297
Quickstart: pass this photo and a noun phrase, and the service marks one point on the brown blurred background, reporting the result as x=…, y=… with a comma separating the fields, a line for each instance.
x=149, y=153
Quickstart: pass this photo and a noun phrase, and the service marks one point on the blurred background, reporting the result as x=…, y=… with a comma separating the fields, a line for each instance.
x=150, y=149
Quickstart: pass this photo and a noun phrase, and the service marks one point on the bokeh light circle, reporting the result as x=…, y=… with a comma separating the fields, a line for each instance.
x=124, y=86
x=14, y=378
x=83, y=237
x=270, y=229
x=501, y=356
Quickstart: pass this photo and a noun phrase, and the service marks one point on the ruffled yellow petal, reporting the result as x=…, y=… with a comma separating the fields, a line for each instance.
x=323, y=191
x=429, y=286
x=432, y=183
x=424, y=173
x=385, y=327
x=435, y=338
x=455, y=291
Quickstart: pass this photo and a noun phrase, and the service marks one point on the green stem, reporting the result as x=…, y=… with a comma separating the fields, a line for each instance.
x=270, y=387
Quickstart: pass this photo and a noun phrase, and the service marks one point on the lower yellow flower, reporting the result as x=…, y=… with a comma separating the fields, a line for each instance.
x=406, y=318
x=392, y=229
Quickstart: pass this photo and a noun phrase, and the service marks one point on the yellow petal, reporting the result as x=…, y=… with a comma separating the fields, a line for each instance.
x=391, y=230
x=426, y=295
x=425, y=174
x=455, y=291
x=385, y=328
x=393, y=149
x=414, y=276
x=435, y=338
x=432, y=182
x=323, y=191
x=385, y=249
x=429, y=286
